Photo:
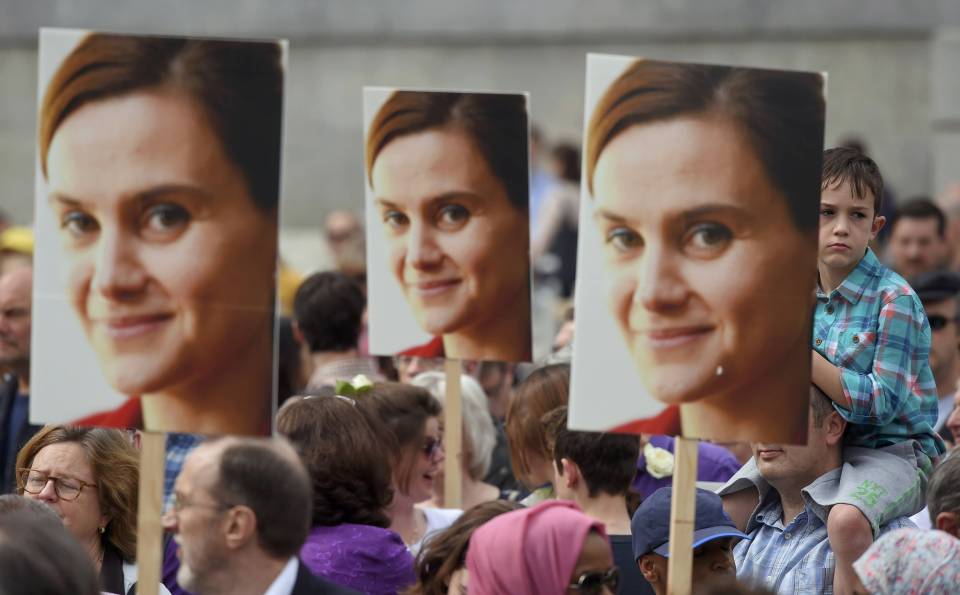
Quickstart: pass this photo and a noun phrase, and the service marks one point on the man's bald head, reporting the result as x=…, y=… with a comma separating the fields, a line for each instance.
x=15, y=292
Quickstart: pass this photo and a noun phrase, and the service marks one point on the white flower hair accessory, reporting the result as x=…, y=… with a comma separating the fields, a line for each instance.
x=659, y=461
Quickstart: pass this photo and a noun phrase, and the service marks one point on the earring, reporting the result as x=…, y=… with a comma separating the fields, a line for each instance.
x=102, y=530
x=719, y=370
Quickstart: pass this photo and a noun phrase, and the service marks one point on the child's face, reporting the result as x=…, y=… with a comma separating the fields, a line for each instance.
x=847, y=224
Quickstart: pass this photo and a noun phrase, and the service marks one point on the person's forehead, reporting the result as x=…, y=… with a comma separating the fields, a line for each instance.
x=64, y=459
x=947, y=306
x=916, y=226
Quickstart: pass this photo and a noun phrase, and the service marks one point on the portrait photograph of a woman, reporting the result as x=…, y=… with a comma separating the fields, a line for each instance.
x=447, y=224
x=157, y=205
x=698, y=243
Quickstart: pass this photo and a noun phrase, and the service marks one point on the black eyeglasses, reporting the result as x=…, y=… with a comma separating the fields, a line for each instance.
x=432, y=446
x=594, y=582
x=66, y=488
x=939, y=321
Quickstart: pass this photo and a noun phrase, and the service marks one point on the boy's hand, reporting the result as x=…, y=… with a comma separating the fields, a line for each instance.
x=827, y=378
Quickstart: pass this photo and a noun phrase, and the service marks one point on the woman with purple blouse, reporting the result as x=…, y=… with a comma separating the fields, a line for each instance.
x=349, y=459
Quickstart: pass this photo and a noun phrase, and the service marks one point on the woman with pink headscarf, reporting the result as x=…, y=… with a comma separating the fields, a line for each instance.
x=550, y=549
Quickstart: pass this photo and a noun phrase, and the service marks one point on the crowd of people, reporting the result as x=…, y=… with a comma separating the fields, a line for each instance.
x=348, y=495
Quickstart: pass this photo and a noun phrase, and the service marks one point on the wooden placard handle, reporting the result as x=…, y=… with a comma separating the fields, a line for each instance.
x=452, y=436
x=682, y=516
x=150, y=508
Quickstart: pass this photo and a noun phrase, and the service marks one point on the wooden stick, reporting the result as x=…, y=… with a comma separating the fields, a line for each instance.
x=682, y=516
x=150, y=507
x=452, y=437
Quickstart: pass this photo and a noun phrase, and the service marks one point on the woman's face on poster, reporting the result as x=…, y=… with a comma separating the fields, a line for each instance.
x=701, y=257
x=458, y=246
x=170, y=265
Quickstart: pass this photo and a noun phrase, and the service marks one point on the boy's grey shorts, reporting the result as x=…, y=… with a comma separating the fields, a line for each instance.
x=883, y=483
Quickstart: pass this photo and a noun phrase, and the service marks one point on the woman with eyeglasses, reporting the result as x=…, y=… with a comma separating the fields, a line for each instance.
x=348, y=456
x=550, y=549
x=412, y=415
x=89, y=477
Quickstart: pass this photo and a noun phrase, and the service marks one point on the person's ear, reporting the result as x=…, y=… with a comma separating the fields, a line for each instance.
x=570, y=473
x=878, y=222
x=948, y=523
x=297, y=333
x=241, y=526
x=648, y=568
x=834, y=427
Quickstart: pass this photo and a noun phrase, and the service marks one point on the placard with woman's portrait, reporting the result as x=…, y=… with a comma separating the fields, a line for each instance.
x=156, y=219
x=697, y=250
x=448, y=250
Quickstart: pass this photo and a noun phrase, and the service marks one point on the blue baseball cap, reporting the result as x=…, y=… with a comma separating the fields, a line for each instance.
x=650, y=525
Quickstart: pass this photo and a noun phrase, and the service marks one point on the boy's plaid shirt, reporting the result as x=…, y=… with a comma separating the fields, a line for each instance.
x=873, y=327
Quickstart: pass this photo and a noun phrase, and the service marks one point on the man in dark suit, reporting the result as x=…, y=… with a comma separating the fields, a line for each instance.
x=15, y=428
x=242, y=510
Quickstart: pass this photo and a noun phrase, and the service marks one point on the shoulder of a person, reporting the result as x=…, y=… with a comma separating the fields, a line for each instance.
x=308, y=583
x=891, y=286
x=440, y=516
x=130, y=574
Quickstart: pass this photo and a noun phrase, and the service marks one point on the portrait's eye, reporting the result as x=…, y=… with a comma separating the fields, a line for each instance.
x=623, y=239
x=394, y=219
x=707, y=238
x=826, y=212
x=164, y=219
x=78, y=224
x=452, y=216
x=859, y=215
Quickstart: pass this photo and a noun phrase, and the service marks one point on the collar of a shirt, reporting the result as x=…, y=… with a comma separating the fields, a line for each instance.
x=856, y=283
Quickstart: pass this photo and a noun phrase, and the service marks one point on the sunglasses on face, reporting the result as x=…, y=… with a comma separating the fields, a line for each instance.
x=431, y=447
x=593, y=582
x=939, y=321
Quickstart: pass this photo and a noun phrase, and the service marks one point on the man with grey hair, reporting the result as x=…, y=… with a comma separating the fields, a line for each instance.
x=241, y=512
x=943, y=496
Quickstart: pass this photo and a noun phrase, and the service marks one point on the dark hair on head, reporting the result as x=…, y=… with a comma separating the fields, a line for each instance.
x=608, y=462
x=568, y=157
x=943, y=491
x=780, y=113
x=404, y=409
x=347, y=455
x=256, y=473
x=30, y=506
x=496, y=122
x=328, y=308
x=920, y=207
x=843, y=164
x=542, y=391
x=39, y=556
x=820, y=405
x=239, y=85
x=446, y=552
x=115, y=464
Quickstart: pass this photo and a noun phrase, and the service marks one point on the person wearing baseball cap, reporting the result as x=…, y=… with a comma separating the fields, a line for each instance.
x=938, y=291
x=713, y=537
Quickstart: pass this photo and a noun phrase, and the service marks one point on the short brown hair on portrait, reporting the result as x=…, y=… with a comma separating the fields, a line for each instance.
x=542, y=391
x=496, y=122
x=843, y=164
x=404, y=409
x=239, y=85
x=348, y=456
x=115, y=463
x=446, y=552
x=780, y=113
